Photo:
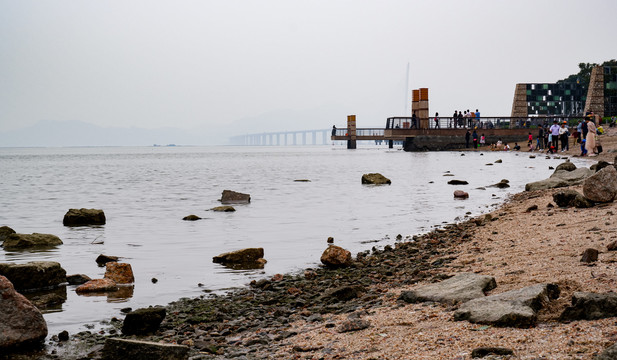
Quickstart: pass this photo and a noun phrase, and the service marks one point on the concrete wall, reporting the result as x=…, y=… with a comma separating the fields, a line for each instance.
x=441, y=143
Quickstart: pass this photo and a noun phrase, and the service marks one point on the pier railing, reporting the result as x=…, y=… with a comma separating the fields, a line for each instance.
x=487, y=122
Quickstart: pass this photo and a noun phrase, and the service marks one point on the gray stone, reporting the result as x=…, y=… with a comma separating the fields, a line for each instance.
x=590, y=306
x=143, y=321
x=460, y=288
x=21, y=323
x=599, y=166
x=601, y=186
x=610, y=353
x=375, y=179
x=567, y=166
x=240, y=256
x=232, y=197
x=142, y=350
x=568, y=198
x=34, y=275
x=82, y=217
x=516, y=308
x=23, y=241
x=560, y=178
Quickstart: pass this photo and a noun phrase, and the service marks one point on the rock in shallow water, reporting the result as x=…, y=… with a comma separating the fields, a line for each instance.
x=232, y=197
x=80, y=217
x=375, y=179
x=34, y=275
x=143, y=321
x=22, y=241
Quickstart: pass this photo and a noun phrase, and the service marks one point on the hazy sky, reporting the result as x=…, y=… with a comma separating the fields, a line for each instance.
x=213, y=65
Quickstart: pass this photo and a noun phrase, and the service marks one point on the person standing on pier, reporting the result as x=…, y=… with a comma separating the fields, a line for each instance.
x=414, y=120
x=437, y=120
x=454, y=119
x=478, y=118
x=333, y=130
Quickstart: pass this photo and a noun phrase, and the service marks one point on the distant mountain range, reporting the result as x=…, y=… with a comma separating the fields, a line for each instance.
x=77, y=133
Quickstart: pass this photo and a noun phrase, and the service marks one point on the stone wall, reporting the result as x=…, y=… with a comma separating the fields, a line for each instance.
x=595, y=93
x=441, y=143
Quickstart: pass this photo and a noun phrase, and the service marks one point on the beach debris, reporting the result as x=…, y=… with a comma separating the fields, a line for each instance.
x=82, y=217
x=490, y=350
x=191, y=218
x=459, y=288
x=336, y=257
x=602, y=186
x=34, y=275
x=104, y=259
x=460, y=194
x=22, y=241
x=457, y=182
x=120, y=273
x=375, y=179
x=143, y=321
x=515, y=308
x=97, y=285
x=21, y=323
x=590, y=255
x=590, y=306
x=224, y=208
x=232, y=197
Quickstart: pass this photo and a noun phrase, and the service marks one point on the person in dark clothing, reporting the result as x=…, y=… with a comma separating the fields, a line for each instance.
x=455, y=119
x=414, y=121
x=467, y=136
x=333, y=130
x=540, y=141
x=584, y=129
x=460, y=119
x=474, y=136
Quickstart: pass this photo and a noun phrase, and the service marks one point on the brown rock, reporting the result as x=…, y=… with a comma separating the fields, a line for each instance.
x=97, y=285
x=120, y=273
x=34, y=274
x=5, y=231
x=21, y=323
x=248, y=255
x=612, y=246
x=590, y=255
x=79, y=217
x=310, y=274
x=335, y=256
x=225, y=208
x=460, y=194
x=21, y=241
x=191, y=218
x=232, y=197
x=104, y=259
x=375, y=179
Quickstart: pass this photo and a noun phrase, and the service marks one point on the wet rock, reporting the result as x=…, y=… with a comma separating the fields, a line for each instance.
x=460, y=288
x=569, y=198
x=590, y=306
x=345, y=293
x=498, y=161
x=353, y=325
x=104, y=259
x=225, y=208
x=81, y=217
x=601, y=186
x=34, y=275
x=599, y=166
x=243, y=256
x=97, y=285
x=566, y=166
x=5, y=231
x=116, y=348
x=457, y=182
x=375, y=179
x=191, y=218
x=516, y=308
x=21, y=323
x=120, y=273
x=589, y=256
x=232, y=197
x=560, y=178
x=335, y=257
x=330, y=240
x=143, y=321
x=485, y=351
x=501, y=185
x=77, y=279
x=63, y=336
x=460, y=194
x=310, y=274
x=22, y=241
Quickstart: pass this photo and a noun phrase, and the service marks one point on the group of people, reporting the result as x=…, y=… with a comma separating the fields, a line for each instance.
x=467, y=119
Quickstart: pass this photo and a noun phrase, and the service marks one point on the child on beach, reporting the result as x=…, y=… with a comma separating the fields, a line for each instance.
x=583, y=150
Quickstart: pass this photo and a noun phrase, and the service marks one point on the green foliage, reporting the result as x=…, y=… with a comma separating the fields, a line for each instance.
x=584, y=74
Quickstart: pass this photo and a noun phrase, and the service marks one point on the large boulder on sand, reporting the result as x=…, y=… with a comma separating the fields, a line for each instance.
x=22, y=241
x=569, y=198
x=120, y=273
x=248, y=255
x=561, y=178
x=143, y=321
x=80, y=217
x=601, y=186
x=34, y=275
x=335, y=257
x=116, y=348
x=21, y=323
x=232, y=197
x=375, y=179
x=590, y=306
x=459, y=288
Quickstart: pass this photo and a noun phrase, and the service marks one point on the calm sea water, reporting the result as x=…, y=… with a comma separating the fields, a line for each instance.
x=145, y=193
